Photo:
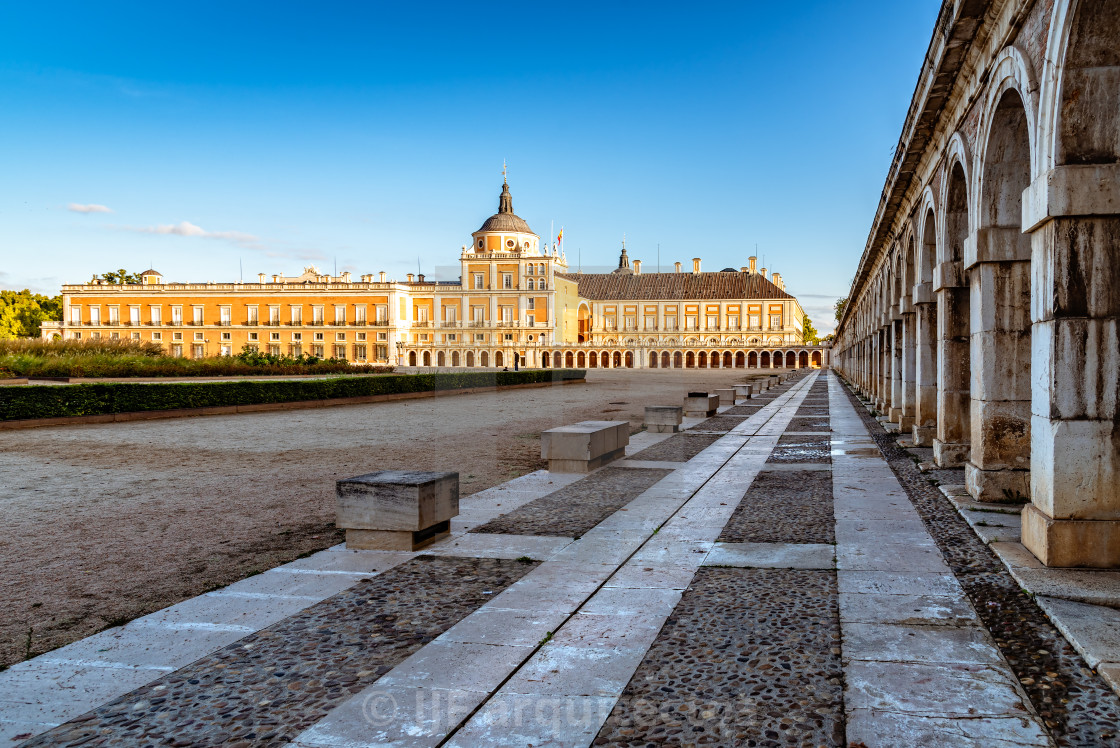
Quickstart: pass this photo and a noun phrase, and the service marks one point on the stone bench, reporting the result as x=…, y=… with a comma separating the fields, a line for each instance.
x=726, y=395
x=585, y=446
x=663, y=419
x=396, y=510
x=744, y=391
x=700, y=405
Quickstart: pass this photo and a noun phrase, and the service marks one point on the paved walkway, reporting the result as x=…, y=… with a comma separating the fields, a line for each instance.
x=761, y=579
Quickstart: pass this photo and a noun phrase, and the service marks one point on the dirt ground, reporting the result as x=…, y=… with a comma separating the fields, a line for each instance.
x=108, y=522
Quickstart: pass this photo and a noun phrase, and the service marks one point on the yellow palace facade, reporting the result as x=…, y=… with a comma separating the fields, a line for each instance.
x=514, y=299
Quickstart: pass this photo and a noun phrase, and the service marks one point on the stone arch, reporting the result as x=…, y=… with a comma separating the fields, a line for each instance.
x=629, y=359
x=470, y=358
x=454, y=358
x=791, y=359
x=499, y=359
x=441, y=359
x=764, y=360
x=1083, y=48
x=677, y=360
x=593, y=360
x=557, y=361
x=727, y=360
x=616, y=360
x=604, y=360
x=665, y=359
x=752, y=360
x=584, y=321
x=956, y=208
x=545, y=360
x=483, y=359
x=702, y=360
x=690, y=360
x=817, y=359
x=582, y=358
x=803, y=359
x=653, y=359
x=740, y=359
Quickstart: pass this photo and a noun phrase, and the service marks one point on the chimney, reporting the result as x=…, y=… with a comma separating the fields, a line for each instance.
x=696, y=264
x=752, y=263
x=777, y=280
x=381, y=277
x=420, y=278
x=677, y=265
x=762, y=272
x=637, y=267
x=260, y=278
x=346, y=277
x=367, y=278
x=409, y=277
x=275, y=278
x=744, y=270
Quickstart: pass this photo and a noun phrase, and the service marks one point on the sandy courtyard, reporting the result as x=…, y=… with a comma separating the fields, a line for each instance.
x=108, y=522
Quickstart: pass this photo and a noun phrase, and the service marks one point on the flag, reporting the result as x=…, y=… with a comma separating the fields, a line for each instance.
x=560, y=236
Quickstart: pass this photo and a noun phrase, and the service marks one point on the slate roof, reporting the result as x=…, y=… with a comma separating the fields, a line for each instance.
x=674, y=286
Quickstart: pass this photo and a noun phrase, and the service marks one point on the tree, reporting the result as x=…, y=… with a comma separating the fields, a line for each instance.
x=809, y=333
x=22, y=313
x=122, y=277
x=841, y=305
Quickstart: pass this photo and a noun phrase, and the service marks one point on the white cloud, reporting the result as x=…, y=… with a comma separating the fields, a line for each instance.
x=90, y=208
x=186, y=228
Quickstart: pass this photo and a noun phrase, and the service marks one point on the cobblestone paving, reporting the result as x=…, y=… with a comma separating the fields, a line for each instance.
x=807, y=423
x=811, y=410
x=680, y=447
x=749, y=657
x=784, y=506
x=723, y=422
x=268, y=687
x=744, y=410
x=796, y=448
x=1075, y=703
x=576, y=508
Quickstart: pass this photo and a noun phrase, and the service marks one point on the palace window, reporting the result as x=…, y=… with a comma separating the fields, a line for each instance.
x=155, y=313
x=197, y=317
x=297, y=336
x=478, y=280
x=340, y=351
x=297, y=315
x=176, y=315
x=382, y=336
x=360, y=352
x=507, y=280
x=318, y=336
x=198, y=336
x=115, y=335
x=775, y=322
x=340, y=315
x=251, y=317
x=177, y=350
x=360, y=315
x=227, y=350
x=135, y=336
x=226, y=336
x=532, y=303
x=179, y=336
x=316, y=315
x=340, y=336
x=114, y=315
x=224, y=315
x=157, y=336
x=134, y=315
x=198, y=351
x=274, y=336
x=252, y=336
x=360, y=337
x=274, y=315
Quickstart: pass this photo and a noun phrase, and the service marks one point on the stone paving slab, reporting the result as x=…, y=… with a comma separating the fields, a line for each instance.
x=486, y=545
x=772, y=555
x=654, y=464
x=1093, y=630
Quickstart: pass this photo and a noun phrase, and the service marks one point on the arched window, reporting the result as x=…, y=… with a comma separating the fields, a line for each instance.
x=498, y=359
x=427, y=358
x=412, y=358
x=454, y=358
x=440, y=359
x=529, y=283
x=484, y=359
x=470, y=358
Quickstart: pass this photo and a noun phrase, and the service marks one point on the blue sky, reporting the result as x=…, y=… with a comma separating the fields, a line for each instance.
x=270, y=136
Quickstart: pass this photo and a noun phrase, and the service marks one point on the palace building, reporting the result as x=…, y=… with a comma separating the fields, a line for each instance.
x=514, y=297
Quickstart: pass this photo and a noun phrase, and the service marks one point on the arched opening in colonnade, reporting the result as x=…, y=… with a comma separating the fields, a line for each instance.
x=1000, y=282
x=951, y=447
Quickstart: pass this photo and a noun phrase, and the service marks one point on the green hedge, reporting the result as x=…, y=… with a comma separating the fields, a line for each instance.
x=22, y=402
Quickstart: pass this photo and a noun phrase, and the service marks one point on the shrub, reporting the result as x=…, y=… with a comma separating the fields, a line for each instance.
x=17, y=403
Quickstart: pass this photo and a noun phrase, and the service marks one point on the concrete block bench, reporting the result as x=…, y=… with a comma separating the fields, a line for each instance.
x=700, y=405
x=726, y=395
x=585, y=446
x=663, y=419
x=744, y=391
x=396, y=510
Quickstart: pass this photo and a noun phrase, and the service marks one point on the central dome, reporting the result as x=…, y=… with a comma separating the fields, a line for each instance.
x=505, y=219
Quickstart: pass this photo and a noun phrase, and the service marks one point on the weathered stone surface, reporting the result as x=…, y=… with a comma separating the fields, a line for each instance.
x=700, y=405
x=663, y=418
x=585, y=446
